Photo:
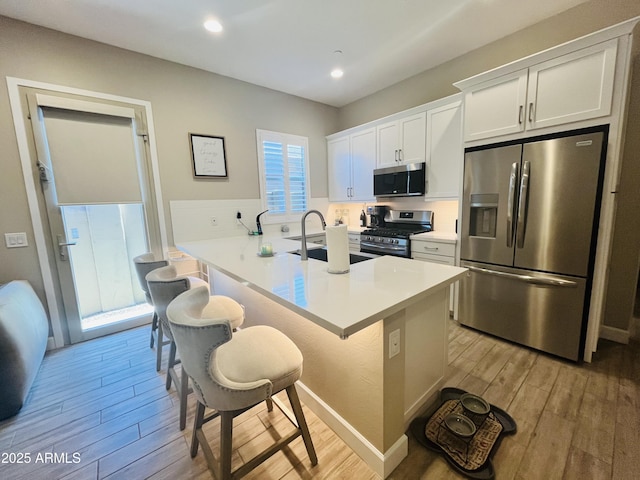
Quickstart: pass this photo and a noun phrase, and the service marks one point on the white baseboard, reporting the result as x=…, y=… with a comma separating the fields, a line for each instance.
x=382, y=464
x=614, y=334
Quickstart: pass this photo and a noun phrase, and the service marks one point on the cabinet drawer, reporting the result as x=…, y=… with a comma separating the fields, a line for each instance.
x=426, y=257
x=433, y=248
x=354, y=238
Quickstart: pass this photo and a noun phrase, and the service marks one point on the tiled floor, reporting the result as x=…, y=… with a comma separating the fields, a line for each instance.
x=101, y=407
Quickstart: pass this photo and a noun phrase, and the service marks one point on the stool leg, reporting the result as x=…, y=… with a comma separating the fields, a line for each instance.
x=184, y=391
x=269, y=405
x=197, y=425
x=154, y=325
x=302, y=423
x=226, y=433
x=159, y=342
x=170, y=363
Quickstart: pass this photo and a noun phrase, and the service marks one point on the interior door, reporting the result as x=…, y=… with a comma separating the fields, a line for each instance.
x=92, y=172
x=490, y=196
x=561, y=194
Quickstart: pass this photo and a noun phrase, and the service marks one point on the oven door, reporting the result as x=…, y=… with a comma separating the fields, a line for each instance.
x=383, y=249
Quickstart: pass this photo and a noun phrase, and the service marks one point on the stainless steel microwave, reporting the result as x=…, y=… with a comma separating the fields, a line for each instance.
x=401, y=181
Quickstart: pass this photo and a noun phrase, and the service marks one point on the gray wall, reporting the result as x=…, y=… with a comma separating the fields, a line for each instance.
x=578, y=21
x=190, y=100
x=183, y=99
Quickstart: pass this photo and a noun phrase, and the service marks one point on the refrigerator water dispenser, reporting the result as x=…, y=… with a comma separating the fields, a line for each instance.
x=484, y=215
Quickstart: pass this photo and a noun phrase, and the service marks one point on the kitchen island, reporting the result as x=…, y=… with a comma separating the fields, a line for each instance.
x=357, y=378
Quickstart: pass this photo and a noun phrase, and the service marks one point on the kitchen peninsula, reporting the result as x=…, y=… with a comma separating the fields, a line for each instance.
x=345, y=326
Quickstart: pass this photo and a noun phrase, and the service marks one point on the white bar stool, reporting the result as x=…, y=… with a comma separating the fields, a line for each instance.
x=165, y=285
x=233, y=371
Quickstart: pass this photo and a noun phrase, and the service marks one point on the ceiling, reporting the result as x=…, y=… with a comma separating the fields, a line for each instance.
x=289, y=45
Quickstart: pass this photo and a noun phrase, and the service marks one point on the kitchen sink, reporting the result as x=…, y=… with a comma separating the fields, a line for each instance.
x=321, y=254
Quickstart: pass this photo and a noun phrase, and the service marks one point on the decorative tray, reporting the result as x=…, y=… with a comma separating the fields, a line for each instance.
x=460, y=451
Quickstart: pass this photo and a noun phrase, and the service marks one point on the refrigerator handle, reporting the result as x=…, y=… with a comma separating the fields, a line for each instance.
x=544, y=281
x=522, y=205
x=511, y=200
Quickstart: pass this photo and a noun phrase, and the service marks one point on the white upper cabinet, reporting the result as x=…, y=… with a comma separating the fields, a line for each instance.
x=575, y=87
x=351, y=160
x=402, y=141
x=570, y=88
x=444, y=151
x=496, y=107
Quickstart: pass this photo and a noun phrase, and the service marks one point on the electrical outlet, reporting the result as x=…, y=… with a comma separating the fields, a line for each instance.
x=214, y=221
x=394, y=343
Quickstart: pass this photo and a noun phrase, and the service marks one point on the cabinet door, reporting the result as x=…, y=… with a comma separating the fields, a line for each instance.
x=413, y=134
x=387, y=135
x=444, y=151
x=571, y=88
x=339, y=169
x=363, y=161
x=496, y=107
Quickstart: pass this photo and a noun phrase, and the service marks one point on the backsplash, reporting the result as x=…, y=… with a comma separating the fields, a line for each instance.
x=445, y=213
x=206, y=219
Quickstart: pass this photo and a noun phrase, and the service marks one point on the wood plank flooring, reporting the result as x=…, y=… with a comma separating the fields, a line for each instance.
x=100, y=410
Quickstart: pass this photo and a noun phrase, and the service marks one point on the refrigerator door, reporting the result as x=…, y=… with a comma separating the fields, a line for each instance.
x=542, y=311
x=558, y=194
x=488, y=204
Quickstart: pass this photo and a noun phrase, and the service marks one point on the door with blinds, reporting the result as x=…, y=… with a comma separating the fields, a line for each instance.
x=91, y=162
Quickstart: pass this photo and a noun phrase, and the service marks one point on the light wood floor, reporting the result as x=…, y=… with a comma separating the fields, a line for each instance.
x=103, y=401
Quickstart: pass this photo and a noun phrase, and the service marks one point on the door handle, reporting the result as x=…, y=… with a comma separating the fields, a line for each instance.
x=544, y=281
x=511, y=200
x=62, y=245
x=522, y=205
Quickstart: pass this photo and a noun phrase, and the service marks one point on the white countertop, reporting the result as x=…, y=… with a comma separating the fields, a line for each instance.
x=445, y=237
x=343, y=304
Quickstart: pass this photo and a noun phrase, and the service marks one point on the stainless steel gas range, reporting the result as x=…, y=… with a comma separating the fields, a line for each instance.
x=392, y=237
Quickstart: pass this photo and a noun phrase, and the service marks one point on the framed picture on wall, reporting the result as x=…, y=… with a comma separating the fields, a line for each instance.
x=208, y=156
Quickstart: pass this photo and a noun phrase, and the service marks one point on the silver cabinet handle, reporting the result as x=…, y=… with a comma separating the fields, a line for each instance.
x=400, y=155
x=522, y=204
x=396, y=155
x=520, y=119
x=435, y=249
x=511, y=200
x=531, y=112
x=545, y=281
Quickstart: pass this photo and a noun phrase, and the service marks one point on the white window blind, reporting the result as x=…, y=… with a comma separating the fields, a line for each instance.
x=284, y=184
x=92, y=153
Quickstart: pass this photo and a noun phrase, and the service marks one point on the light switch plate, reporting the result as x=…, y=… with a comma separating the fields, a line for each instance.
x=394, y=343
x=15, y=240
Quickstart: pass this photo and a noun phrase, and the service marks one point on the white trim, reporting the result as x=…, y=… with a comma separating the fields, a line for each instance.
x=82, y=106
x=18, y=114
x=614, y=334
x=381, y=464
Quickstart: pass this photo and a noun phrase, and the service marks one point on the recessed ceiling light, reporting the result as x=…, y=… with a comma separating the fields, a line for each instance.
x=337, y=73
x=213, y=26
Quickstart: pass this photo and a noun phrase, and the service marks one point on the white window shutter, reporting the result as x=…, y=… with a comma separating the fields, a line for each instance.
x=284, y=183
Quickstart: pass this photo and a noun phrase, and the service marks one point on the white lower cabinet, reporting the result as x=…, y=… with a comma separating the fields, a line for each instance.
x=435, y=251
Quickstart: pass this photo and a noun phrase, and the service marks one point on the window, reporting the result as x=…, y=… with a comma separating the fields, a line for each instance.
x=284, y=184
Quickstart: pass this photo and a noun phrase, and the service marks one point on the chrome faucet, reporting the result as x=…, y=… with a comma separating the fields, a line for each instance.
x=303, y=249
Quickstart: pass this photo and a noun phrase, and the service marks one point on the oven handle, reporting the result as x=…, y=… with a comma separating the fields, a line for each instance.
x=380, y=248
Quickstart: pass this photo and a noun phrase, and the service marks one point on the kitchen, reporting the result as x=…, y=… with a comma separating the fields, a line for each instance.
x=178, y=185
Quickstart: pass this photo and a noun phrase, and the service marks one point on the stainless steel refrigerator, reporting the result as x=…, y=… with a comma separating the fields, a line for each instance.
x=529, y=226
